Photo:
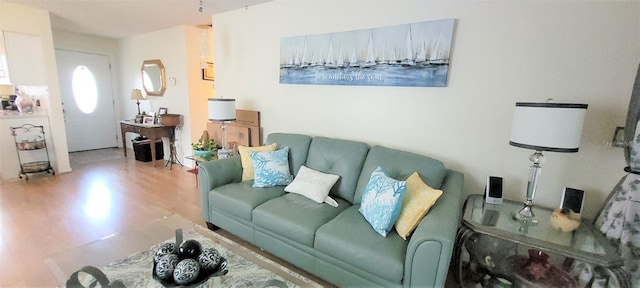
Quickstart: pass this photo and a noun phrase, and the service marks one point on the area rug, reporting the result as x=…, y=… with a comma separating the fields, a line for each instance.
x=136, y=270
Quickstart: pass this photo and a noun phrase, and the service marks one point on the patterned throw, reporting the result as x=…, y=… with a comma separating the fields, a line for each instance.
x=136, y=270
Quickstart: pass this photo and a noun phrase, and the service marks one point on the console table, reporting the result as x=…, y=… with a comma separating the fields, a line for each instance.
x=153, y=132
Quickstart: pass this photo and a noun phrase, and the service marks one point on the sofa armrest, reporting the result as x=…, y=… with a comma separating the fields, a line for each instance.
x=212, y=174
x=431, y=245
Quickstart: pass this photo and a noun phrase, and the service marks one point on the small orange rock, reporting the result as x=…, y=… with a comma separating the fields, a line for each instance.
x=566, y=222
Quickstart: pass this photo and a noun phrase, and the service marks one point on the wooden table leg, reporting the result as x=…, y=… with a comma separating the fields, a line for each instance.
x=152, y=142
x=172, y=148
x=124, y=140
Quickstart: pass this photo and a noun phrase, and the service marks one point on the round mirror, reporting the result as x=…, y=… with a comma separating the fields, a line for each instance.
x=153, y=79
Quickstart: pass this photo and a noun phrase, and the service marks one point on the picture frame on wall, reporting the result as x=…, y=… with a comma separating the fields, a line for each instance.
x=148, y=120
x=407, y=55
x=162, y=110
x=207, y=72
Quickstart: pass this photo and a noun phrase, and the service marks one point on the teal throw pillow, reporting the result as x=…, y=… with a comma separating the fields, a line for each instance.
x=382, y=201
x=271, y=168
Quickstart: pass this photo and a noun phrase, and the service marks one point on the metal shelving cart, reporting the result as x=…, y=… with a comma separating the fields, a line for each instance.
x=31, y=147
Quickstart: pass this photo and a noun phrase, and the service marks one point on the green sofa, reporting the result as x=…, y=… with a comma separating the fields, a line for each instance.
x=337, y=244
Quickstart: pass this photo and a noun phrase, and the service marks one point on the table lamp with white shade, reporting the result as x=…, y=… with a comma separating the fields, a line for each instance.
x=136, y=94
x=223, y=110
x=548, y=126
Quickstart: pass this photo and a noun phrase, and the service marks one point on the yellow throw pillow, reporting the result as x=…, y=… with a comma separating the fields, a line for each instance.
x=415, y=205
x=247, y=163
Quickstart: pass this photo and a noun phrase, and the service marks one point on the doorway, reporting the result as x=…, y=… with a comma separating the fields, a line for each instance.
x=87, y=100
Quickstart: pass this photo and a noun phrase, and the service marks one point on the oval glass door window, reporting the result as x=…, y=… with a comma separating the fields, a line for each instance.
x=85, y=91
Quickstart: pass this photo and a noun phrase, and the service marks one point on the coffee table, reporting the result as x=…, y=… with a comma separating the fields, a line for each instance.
x=127, y=256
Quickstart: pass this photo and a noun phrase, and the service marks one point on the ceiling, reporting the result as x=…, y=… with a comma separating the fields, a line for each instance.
x=121, y=18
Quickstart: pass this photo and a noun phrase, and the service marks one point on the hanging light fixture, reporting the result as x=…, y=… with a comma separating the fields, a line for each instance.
x=204, y=44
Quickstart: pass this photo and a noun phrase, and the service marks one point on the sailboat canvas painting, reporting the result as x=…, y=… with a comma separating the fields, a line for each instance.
x=413, y=55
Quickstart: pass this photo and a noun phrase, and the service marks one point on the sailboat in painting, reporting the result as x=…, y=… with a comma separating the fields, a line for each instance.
x=340, y=62
x=289, y=62
x=304, y=62
x=370, y=61
x=438, y=55
x=353, y=60
x=296, y=59
x=394, y=58
x=383, y=55
x=330, y=62
x=408, y=59
x=421, y=54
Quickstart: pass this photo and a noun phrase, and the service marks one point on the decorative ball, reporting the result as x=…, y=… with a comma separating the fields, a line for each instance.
x=164, y=249
x=209, y=259
x=166, y=265
x=189, y=249
x=186, y=271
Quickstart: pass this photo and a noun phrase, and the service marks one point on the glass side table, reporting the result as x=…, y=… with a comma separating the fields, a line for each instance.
x=492, y=248
x=199, y=159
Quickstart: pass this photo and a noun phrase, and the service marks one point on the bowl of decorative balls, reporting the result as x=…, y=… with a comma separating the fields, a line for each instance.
x=186, y=263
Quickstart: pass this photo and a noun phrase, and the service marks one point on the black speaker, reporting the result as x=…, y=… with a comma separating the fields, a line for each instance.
x=493, y=190
x=572, y=199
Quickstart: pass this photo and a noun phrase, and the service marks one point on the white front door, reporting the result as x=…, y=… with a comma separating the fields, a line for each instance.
x=87, y=100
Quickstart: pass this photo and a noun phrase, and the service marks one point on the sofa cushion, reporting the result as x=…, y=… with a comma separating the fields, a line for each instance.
x=271, y=168
x=239, y=199
x=314, y=185
x=382, y=200
x=247, y=162
x=295, y=217
x=415, y=205
x=349, y=238
x=339, y=157
x=298, y=148
x=399, y=165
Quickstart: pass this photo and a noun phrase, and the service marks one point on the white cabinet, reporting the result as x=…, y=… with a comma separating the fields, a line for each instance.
x=25, y=59
x=4, y=69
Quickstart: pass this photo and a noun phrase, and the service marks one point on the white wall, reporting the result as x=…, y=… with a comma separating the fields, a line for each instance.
x=503, y=52
x=26, y=20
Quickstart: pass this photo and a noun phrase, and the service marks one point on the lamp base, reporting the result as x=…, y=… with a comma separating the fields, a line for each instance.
x=224, y=153
x=525, y=215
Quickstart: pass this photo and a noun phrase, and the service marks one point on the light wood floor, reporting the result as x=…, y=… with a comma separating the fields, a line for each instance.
x=49, y=214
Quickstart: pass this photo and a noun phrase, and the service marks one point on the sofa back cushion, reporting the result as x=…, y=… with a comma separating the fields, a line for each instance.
x=298, y=148
x=400, y=165
x=340, y=157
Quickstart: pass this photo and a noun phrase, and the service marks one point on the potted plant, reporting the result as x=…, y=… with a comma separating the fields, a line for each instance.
x=205, y=146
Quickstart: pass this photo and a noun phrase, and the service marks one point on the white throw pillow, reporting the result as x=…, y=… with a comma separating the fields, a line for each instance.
x=314, y=185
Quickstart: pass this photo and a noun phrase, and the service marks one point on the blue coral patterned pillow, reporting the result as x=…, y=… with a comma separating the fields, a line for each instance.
x=382, y=201
x=271, y=168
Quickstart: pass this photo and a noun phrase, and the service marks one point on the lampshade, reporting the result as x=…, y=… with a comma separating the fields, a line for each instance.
x=6, y=89
x=136, y=94
x=555, y=127
x=222, y=109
